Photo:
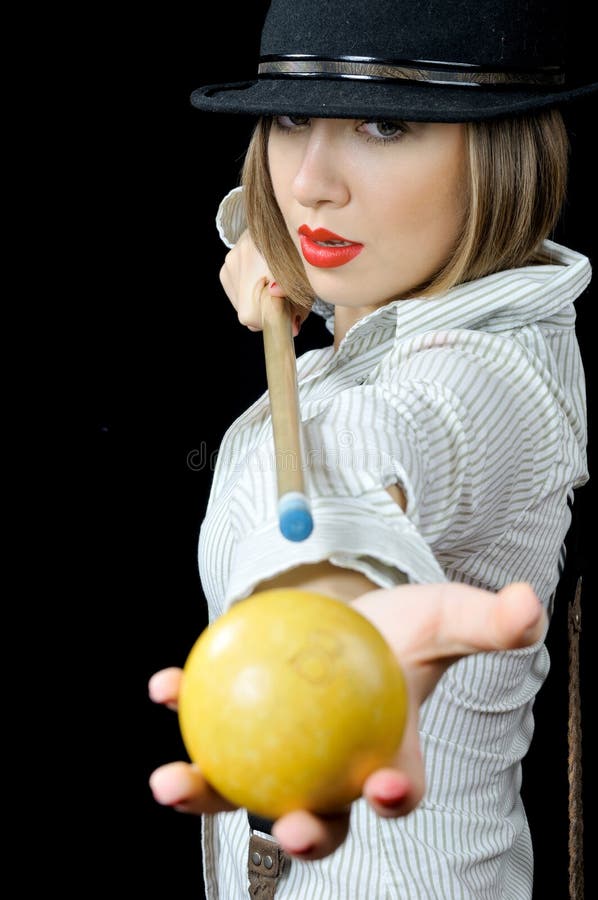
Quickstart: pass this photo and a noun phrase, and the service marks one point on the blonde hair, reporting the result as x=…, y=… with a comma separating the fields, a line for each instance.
x=517, y=176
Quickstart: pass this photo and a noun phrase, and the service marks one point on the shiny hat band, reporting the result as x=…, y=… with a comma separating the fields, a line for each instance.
x=363, y=68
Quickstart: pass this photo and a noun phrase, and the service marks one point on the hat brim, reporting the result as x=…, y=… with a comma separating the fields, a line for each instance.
x=347, y=99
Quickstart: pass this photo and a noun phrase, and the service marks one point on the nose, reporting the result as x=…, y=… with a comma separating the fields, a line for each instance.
x=320, y=177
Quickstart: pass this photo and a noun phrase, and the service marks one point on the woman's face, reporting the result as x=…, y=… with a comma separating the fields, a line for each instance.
x=389, y=198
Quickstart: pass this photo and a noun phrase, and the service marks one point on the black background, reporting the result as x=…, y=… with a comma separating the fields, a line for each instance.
x=156, y=340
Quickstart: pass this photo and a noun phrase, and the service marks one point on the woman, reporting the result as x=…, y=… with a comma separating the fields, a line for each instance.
x=408, y=174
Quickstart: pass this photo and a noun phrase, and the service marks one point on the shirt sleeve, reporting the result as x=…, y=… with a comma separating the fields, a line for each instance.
x=231, y=221
x=460, y=420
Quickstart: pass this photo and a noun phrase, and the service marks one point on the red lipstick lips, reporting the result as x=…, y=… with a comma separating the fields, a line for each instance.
x=326, y=250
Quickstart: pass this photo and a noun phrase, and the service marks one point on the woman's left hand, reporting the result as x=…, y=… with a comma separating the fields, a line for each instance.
x=244, y=275
x=429, y=627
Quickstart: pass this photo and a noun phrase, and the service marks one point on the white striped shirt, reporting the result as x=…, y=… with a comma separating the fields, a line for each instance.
x=474, y=403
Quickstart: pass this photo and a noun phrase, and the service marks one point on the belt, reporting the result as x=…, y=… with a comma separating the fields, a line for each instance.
x=266, y=859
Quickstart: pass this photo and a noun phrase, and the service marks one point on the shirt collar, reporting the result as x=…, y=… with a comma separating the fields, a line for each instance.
x=499, y=302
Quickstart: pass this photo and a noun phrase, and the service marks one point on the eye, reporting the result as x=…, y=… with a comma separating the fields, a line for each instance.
x=385, y=130
x=290, y=123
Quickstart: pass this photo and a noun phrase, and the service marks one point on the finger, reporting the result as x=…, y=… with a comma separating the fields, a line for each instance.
x=448, y=621
x=183, y=787
x=308, y=836
x=164, y=687
x=298, y=314
x=245, y=306
x=249, y=308
x=519, y=618
x=276, y=290
x=474, y=620
x=389, y=793
x=396, y=791
x=296, y=322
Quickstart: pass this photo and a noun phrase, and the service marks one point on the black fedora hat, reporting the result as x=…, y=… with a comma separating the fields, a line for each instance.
x=421, y=60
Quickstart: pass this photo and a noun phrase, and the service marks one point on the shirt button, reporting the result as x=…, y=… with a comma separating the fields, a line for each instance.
x=361, y=379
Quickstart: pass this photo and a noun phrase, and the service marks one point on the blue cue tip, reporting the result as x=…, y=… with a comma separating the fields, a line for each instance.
x=294, y=516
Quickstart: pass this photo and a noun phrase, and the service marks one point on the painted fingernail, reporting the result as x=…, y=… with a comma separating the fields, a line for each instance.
x=391, y=795
x=179, y=803
x=302, y=851
x=389, y=802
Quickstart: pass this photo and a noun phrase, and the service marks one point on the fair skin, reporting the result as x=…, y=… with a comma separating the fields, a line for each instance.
x=429, y=627
x=398, y=191
x=402, y=198
x=396, y=188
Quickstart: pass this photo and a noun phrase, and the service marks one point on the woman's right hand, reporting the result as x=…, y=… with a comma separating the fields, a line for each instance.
x=429, y=627
x=243, y=276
